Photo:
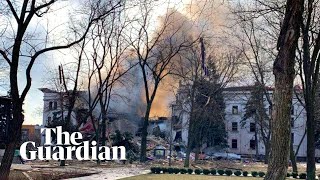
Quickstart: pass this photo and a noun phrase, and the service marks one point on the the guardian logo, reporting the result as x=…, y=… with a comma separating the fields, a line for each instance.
x=71, y=144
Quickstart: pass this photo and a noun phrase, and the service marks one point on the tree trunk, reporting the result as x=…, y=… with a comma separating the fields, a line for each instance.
x=267, y=152
x=293, y=158
x=7, y=160
x=256, y=141
x=310, y=144
x=197, y=152
x=14, y=134
x=280, y=136
x=284, y=72
x=67, y=124
x=144, y=134
x=190, y=135
x=188, y=151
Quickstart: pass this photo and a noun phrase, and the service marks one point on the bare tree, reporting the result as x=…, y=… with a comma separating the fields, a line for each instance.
x=221, y=65
x=309, y=66
x=283, y=70
x=108, y=61
x=155, y=51
x=12, y=52
x=257, y=42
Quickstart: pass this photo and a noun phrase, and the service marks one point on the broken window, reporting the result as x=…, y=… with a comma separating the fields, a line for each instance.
x=50, y=105
x=252, y=144
x=234, y=126
x=234, y=144
x=178, y=137
x=55, y=105
x=235, y=110
x=252, y=127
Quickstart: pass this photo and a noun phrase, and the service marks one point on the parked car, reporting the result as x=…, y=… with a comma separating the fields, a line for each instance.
x=227, y=156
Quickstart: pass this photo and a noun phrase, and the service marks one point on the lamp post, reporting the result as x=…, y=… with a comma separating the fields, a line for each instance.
x=171, y=129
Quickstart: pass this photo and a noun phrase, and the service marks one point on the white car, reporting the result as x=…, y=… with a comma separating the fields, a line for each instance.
x=224, y=155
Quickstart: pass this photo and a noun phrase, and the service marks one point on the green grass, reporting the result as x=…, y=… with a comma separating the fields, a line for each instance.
x=187, y=177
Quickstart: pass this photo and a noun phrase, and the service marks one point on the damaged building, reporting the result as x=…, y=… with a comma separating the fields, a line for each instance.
x=55, y=105
x=241, y=138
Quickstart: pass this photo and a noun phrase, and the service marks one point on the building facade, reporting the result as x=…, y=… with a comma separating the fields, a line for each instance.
x=55, y=108
x=242, y=135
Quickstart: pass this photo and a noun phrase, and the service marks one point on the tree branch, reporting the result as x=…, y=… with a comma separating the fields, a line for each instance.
x=13, y=11
x=4, y=55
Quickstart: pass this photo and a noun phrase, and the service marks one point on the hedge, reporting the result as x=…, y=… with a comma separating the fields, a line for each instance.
x=254, y=173
x=183, y=171
x=198, y=171
x=237, y=173
x=261, y=174
x=228, y=172
x=303, y=176
x=206, y=171
x=213, y=172
x=221, y=172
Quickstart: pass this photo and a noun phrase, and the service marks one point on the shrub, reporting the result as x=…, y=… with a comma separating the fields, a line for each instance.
x=213, y=171
x=190, y=171
x=153, y=170
x=245, y=173
x=261, y=174
x=164, y=170
x=254, y=173
x=294, y=175
x=176, y=170
x=198, y=171
x=237, y=173
x=206, y=171
x=302, y=175
x=228, y=172
x=288, y=174
x=183, y=171
x=221, y=172
x=158, y=170
x=170, y=170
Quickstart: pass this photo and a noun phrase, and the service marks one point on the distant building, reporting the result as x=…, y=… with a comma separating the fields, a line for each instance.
x=31, y=133
x=5, y=117
x=241, y=138
x=55, y=107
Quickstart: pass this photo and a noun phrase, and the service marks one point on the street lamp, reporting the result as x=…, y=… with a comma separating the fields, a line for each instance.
x=171, y=129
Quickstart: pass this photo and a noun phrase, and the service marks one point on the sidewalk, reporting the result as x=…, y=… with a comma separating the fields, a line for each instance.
x=114, y=173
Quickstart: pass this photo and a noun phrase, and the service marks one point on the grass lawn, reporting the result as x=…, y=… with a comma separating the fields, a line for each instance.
x=187, y=177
